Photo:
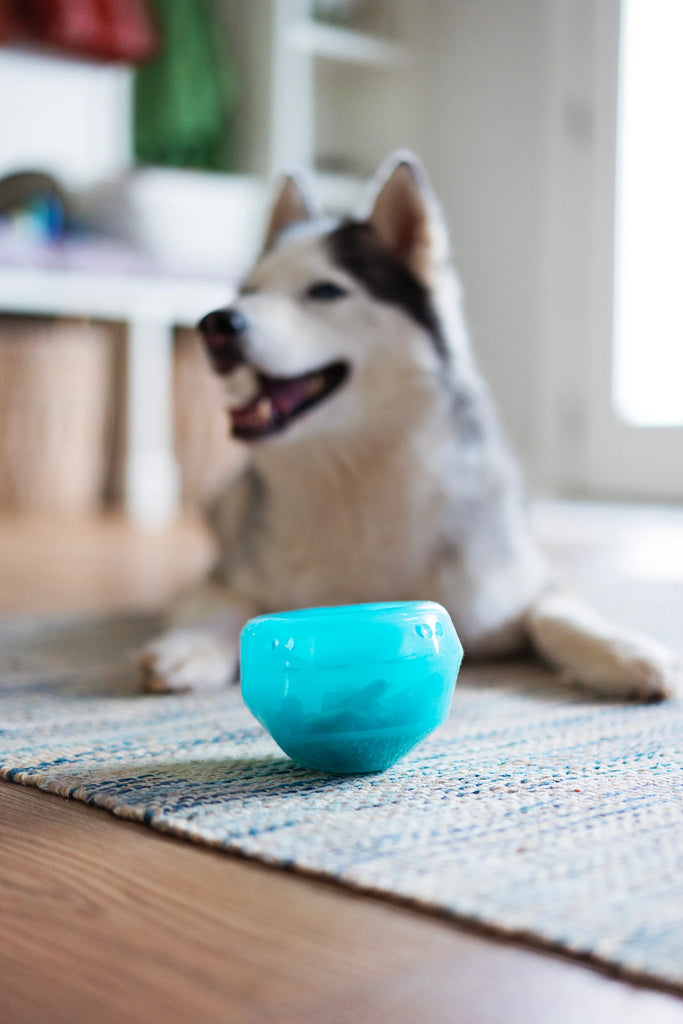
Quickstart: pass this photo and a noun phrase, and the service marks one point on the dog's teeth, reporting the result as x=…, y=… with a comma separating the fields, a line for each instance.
x=257, y=417
x=241, y=387
x=264, y=409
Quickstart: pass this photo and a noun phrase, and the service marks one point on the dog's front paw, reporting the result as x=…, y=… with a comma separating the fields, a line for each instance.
x=633, y=668
x=184, y=660
x=604, y=658
x=645, y=670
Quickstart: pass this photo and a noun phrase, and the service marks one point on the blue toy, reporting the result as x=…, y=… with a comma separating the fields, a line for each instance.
x=351, y=689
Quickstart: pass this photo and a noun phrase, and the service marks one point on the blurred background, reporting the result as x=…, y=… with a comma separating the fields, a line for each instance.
x=138, y=139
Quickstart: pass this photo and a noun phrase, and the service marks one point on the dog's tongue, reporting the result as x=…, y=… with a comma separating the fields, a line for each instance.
x=288, y=394
x=277, y=399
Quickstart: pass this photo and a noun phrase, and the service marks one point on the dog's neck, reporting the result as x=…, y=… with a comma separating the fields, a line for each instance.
x=369, y=450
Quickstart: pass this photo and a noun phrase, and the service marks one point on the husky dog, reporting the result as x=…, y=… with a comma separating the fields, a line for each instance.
x=376, y=467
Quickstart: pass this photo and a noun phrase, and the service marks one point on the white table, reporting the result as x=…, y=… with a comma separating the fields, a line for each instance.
x=151, y=305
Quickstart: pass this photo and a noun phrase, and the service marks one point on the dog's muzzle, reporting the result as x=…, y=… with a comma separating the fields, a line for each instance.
x=224, y=332
x=278, y=401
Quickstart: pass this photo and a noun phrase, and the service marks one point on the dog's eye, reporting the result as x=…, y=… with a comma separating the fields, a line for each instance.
x=325, y=291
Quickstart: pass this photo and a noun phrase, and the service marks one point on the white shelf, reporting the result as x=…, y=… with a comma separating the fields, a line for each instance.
x=320, y=40
x=55, y=291
x=304, y=107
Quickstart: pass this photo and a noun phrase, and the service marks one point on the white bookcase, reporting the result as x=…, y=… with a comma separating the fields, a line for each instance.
x=325, y=98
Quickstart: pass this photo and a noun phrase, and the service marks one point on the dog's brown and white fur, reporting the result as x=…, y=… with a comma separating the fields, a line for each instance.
x=385, y=475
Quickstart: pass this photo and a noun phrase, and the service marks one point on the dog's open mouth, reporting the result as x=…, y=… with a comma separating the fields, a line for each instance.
x=281, y=400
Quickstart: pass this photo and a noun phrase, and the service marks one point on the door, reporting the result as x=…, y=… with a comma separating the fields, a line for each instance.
x=615, y=309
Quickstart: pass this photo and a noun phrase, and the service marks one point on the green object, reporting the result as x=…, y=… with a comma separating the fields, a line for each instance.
x=186, y=96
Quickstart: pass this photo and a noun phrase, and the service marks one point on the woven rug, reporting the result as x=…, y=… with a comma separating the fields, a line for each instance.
x=534, y=811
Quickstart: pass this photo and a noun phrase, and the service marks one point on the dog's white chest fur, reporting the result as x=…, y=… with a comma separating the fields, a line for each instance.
x=338, y=524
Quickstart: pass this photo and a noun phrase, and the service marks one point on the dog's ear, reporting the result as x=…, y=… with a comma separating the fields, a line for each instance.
x=406, y=217
x=292, y=204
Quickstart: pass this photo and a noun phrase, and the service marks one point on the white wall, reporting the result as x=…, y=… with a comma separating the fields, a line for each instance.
x=485, y=138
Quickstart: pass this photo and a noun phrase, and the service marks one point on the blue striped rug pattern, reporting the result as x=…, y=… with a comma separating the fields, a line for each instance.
x=535, y=811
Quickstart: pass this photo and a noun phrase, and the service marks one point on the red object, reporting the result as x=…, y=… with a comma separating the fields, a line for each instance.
x=112, y=30
x=10, y=26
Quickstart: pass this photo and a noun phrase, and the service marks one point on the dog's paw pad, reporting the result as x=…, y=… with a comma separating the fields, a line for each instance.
x=185, y=660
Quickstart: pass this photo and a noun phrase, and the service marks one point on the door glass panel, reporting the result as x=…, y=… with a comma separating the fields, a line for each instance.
x=648, y=347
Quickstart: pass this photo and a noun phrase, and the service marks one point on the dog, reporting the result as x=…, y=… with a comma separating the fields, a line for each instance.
x=376, y=467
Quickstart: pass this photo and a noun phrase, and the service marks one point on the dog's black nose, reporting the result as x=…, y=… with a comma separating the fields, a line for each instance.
x=223, y=321
x=223, y=331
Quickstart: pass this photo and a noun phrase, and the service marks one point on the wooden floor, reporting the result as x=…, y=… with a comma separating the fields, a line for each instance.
x=106, y=921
